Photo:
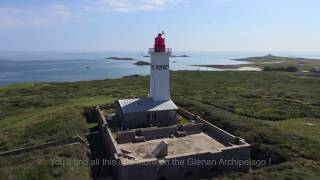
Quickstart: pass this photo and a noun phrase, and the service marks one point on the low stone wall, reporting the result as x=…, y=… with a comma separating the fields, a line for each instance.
x=189, y=166
x=238, y=153
x=158, y=132
x=101, y=118
x=126, y=137
x=76, y=139
x=108, y=140
x=193, y=128
x=212, y=130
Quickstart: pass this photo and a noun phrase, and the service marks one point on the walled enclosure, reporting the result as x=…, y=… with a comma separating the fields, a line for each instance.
x=196, y=149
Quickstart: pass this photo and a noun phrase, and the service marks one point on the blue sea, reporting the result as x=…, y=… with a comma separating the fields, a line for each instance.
x=17, y=67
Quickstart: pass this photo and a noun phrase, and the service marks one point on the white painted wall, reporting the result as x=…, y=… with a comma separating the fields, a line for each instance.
x=160, y=76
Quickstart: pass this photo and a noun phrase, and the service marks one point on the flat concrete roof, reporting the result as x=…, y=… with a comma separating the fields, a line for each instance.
x=190, y=144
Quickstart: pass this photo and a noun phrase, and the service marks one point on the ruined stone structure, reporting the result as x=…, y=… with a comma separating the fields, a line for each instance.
x=189, y=151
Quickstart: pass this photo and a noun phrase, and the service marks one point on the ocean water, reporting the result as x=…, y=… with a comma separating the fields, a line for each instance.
x=16, y=67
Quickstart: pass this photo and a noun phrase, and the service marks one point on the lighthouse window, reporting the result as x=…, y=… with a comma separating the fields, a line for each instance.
x=160, y=67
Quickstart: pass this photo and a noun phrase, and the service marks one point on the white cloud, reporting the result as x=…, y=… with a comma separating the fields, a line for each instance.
x=30, y=17
x=45, y=15
x=60, y=12
x=129, y=5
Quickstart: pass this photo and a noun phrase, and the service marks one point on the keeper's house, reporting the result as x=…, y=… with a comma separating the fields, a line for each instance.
x=145, y=112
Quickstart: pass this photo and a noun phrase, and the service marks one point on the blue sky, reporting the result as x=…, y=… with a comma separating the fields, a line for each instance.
x=130, y=25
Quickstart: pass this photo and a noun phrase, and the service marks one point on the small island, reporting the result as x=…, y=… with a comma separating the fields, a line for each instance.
x=272, y=63
x=121, y=58
x=182, y=56
x=141, y=63
x=173, y=56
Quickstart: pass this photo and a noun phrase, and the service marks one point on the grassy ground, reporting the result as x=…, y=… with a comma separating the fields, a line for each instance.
x=306, y=127
x=32, y=114
x=183, y=120
x=270, y=110
x=67, y=162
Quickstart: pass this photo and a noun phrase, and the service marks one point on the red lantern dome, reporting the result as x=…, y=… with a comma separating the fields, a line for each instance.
x=159, y=44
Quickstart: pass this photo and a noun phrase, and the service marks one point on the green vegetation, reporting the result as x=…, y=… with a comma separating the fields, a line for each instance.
x=285, y=69
x=67, y=162
x=277, y=62
x=183, y=120
x=305, y=127
x=37, y=113
x=274, y=63
x=278, y=113
x=302, y=169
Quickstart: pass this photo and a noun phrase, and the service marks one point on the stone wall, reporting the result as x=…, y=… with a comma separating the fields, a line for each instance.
x=108, y=140
x=158, y=132
x=125, y=137
x=76, y=139
x=154, y=169
x=193, y=128
x=101, y=118
x=188, y=166
x=212, y=130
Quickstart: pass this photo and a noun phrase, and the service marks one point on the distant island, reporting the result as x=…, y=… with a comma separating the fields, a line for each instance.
x=121, y=58
x=141, y=63
x=184, y=56
x=272, y=63
x=173, y=56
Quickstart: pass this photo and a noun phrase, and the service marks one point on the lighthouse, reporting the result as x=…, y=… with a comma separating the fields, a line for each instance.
x=159, y=70
x=157, y=109
x=147, y=131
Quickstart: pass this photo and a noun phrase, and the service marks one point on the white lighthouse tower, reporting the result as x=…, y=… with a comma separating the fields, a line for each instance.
x=160, y=71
